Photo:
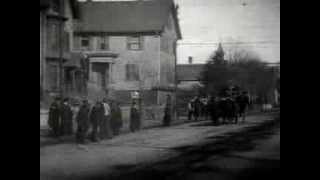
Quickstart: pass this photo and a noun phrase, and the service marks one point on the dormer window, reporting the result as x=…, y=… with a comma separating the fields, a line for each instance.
x=135, y=43
x=103, y=43
x=85, y=43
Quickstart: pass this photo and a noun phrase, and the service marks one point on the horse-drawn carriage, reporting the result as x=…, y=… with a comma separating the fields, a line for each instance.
x=229, y=106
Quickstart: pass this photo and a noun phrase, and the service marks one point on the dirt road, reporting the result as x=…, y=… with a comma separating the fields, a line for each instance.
x=189, y=151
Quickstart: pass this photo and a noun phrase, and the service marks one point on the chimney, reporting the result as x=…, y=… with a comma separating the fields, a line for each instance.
x=190, y=60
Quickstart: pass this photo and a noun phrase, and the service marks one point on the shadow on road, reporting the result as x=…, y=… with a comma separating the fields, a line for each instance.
x=191, y=160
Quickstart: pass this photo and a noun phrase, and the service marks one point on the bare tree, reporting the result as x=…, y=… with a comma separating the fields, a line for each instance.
x=244, y=68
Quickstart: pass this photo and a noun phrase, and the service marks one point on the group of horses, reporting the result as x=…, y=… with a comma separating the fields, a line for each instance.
x=222, y=110
x=230, y=110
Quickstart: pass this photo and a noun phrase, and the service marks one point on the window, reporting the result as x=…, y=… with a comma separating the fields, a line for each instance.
x=85, y=43
x=68, y=79
x=53, y=77
x=103, y=43
x=132, y=72
x=66, y=41
x=53, y=34
x=135, y=43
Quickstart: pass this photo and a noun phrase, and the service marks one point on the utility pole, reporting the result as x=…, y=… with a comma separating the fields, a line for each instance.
x=61, y=47
x=176, y=115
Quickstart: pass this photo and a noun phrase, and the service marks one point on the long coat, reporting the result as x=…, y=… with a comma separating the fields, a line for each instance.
x=197, y=108
x=96, y=118
x=66, y=119
x=135, y=119
x=54, y=118
x=116, y=118
x=96, y=115
x=105, y=127
x=167, y=115
x=213, y=110
x=83, y=122
x=83, y=116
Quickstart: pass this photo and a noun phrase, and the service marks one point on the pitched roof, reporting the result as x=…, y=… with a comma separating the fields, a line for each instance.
x=124, y=17
x=189, y=72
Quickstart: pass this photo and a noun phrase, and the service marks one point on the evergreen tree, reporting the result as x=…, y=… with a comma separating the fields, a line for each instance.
x=218, y=58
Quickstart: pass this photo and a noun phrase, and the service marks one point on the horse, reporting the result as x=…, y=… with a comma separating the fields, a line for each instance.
x=228, y=110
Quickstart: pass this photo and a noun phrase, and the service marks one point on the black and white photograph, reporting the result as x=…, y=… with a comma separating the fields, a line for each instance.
x=159, y=89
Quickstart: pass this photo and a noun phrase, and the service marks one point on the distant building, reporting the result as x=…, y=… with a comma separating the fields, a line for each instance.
x=129, y=46
x=276, y=69
x=189, y=76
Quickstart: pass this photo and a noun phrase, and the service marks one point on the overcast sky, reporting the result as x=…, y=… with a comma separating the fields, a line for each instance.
x=256, y=23
x=204, y=23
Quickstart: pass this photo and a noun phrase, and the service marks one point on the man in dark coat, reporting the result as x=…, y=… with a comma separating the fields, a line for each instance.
x=54, y=120
x=168, y=112
x=213, y=109
x=230, y=109
x=96, y=117
x=66, y=118
x=243, y=103
x=116, y=118
x=224, y=108
x=83, y=122
x=106, y=131
x=197, y=108
x=135, y=117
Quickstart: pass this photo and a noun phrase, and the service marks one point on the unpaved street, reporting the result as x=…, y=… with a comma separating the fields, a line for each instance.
x=193, y=150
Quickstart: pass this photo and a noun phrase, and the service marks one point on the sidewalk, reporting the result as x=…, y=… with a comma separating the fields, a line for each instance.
x=45, y=140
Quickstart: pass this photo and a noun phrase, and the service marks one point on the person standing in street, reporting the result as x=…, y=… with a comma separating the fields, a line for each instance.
x=243, y=101
x=213, y=110
x=96, y=117
x=197, y=106
x=66, y=118
x=167, y=112
x=54, y=120
x=134, y=117
x=116, y=118
x=205, y=111
x=83, y=122
x=190, y=110
x=105, y=124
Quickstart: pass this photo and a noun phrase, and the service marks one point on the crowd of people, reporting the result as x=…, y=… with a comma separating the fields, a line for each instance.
x=221, y=110
x=102, y=120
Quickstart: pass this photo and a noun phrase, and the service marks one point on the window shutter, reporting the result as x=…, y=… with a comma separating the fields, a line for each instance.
x=128, y=72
